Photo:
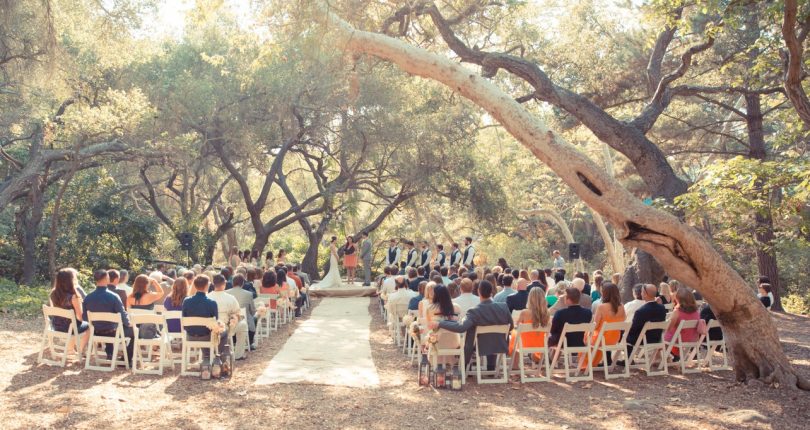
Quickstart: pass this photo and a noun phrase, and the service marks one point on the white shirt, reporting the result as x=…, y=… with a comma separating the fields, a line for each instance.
x=414, y=260
x=466, y=301
x=559, y=263
x=551, y=284
x=396, y=258
x=126, y=288
x=388, y=287
x=470, y=255
x=226, y=304
x=455, y=257
x=630, y=308
x=402, y=295
x=427, y=261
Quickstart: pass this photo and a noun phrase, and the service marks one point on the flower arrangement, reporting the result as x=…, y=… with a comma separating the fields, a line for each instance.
x=261, y=311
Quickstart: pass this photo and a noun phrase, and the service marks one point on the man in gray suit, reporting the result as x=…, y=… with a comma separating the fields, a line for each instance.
x=486, y=313
x=365, y=255
x=245, y=299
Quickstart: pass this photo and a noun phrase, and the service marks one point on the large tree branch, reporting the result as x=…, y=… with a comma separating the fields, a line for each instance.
x=151, y=198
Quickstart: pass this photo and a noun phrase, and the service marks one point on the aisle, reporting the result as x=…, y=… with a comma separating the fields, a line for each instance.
x=330, y=348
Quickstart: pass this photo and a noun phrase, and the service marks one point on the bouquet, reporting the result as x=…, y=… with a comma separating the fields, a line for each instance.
x=233, y=320
x=261, y=311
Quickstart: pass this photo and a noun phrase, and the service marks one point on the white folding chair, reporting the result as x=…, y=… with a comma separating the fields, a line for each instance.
x=688, y=351
x=516, y=315
x=142, y=359
x=397, y=326
x=410, y=345
x=173, y=337
x=718, y=345
x=616, y=350
x=522, y=351
x=191, y=346
x=118, y=340
x=500, y=358
x=159, y=309
x=569, y=352
x=452, y=352
x=645, y=353
x=59, y=350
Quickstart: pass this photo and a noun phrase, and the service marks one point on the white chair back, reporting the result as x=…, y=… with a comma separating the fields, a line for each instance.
x=521, y=351
x=58, y=352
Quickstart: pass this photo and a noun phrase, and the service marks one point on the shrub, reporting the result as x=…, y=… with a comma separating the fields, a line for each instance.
x=796, y=304
x=21, y=300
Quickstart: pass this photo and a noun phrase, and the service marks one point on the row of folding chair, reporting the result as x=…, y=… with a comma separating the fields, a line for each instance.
x=58, y=346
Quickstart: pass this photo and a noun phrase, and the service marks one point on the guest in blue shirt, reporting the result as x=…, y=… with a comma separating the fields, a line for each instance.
x=104, y=300
x=199, y=305
x=507, y=291
x=413, y=305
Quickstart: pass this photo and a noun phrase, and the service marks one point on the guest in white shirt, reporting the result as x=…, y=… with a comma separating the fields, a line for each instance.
x=402, y=295
x=466, y=300
x=631, y=307
x=388, y=284
x=559, y=262
x=507, y=291
x=122, y=281
x=227, y=305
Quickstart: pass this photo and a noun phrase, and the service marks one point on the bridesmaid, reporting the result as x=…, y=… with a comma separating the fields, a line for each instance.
x=350, y=258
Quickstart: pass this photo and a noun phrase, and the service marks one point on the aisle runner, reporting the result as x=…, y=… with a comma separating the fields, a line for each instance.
x=330, y=348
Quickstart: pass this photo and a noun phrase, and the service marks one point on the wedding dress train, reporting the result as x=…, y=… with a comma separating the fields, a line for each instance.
x=332, y=278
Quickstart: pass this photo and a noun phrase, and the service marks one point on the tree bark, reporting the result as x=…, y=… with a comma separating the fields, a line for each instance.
x=793, y=70
x=763, y=219
x=750, y=333
x=29, y=220
x=55, y=218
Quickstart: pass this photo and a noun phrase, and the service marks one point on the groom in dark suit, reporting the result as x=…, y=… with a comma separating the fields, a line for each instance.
x=486, y=313
x=648, y=312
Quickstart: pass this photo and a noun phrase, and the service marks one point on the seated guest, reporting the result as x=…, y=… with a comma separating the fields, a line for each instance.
x=112, y=285
x=445, y=277
x=426, y=301
x=632, y=306
x=199, y=305
x=270, y=286
x=584, y=299
x=64, y=296
x=441, y=308
x=559, y=275
x=452, y=272
x=517, y=301
x=174, y=302
x=596, y=292
x=616, y=278
x=252, y=275
x=556, y=293
x=766, y=280
x=550, y=282
x=685, y=310
x=228, y=308
x=485, y=313
x=649, y=312
x=536, y=281
x=122, y=281
x=664, y=296
x=573, y=313
x=389, y=284
x=610, y=311
x=413, y=305
x=301, y=274
x=142, y=298
x=104, y=300
x=245, y=299
x=299, y=285
x=507, y=291
x=466, y=300
x=536, y=314
x=402, y=295
x=707, y=314
x=455, y=288
x=413, y=278
x=765, y=295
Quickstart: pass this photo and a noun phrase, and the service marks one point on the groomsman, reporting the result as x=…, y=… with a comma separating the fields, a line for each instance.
x=441, y=257
x=424, y=260
x=412, y=258
x=394, y=254
x=455, y=255
x=469, y=252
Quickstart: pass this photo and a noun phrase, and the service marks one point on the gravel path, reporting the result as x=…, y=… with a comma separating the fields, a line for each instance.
x=44, y=397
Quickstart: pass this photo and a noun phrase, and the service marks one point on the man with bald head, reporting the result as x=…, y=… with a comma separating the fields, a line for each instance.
x=650, y=311
x=535, y=281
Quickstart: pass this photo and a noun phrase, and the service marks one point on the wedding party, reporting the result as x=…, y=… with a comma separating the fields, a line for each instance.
x=336, y=214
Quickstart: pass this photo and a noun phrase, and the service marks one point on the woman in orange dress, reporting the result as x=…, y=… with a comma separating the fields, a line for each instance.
x=536, y=314
x=270, y=286
x=609, y=311
x=350, y=258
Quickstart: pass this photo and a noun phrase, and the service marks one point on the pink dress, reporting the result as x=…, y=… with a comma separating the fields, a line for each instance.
x=687, y=334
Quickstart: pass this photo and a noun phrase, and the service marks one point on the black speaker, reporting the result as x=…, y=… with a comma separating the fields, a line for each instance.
x=573, y=251
x=186, y=240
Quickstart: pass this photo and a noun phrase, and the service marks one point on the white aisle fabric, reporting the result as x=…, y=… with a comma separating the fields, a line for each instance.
x=330, y=348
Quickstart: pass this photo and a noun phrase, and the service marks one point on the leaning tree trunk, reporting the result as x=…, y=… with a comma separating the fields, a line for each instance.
x=750, y=333
x=309, y=264
x=643, y=270
x=29, y=220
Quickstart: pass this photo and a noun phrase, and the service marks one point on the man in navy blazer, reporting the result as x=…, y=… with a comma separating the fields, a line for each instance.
x=486, y=313
x=573, y=313
x=651, y=311
x=104, y=300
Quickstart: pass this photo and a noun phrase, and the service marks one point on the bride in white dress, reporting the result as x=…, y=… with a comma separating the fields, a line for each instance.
x=332, y=279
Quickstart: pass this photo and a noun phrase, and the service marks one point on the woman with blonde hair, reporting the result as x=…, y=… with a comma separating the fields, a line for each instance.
x=536, y=314
x=664, y=294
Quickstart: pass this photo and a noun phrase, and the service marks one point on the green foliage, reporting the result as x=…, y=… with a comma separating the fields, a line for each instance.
x=796, y=304
x=20, y=300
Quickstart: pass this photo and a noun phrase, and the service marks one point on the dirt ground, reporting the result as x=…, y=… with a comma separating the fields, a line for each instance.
x=50, y=397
